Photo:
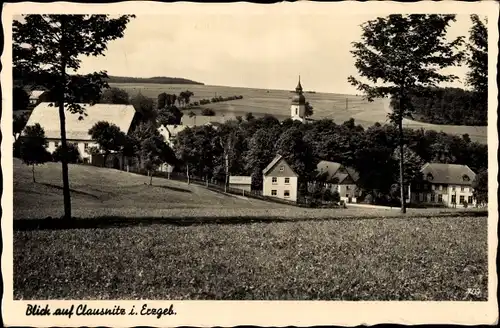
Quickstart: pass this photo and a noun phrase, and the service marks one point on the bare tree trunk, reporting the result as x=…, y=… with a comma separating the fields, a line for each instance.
x=33, y=170
x=401, y=157
x=62, y=119
x=150, y=178
x=187, y=172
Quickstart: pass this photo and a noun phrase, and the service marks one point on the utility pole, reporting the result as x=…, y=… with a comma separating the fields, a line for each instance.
x=346, y=103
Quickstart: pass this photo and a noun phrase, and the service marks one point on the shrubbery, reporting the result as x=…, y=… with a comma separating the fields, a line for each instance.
x=73, y=154
x=207, y=112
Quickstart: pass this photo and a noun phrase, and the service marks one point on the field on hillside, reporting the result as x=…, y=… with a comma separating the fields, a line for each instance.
x=277, y=103
x=432, y=259
x=100, y=192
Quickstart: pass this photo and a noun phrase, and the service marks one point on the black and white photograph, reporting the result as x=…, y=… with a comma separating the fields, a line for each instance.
x=162, y=153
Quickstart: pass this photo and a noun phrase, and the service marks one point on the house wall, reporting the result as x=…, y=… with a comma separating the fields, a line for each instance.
x=245, y=187
x=280, y=186
x=447, y=192
x=81, y=145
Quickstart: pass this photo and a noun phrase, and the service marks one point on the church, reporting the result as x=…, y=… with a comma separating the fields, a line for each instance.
x=298, y=106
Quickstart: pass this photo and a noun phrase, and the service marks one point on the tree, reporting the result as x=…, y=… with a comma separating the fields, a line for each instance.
x=169, y=115
x=309, y=110
x=207, y=112
x=412, y=164
x=480, y=185
x=186, y=96
x=72, y=154
x=45, y=47
x=249, y=116
x=162, y=100
x=401, y=54
x=144, y=106
x=108, y=136
x=154, y=152
x=33, y=147
x=20, y=100
x=115, y=96
x=477, y=59
x=18, y=124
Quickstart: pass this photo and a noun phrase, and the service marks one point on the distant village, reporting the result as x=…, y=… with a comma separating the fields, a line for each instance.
x=328, y=182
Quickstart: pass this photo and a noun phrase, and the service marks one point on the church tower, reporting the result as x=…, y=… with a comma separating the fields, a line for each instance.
x=298, y=107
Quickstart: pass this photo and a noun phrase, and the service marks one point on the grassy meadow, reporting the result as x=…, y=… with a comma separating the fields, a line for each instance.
x=177, y=241
x=277, y=103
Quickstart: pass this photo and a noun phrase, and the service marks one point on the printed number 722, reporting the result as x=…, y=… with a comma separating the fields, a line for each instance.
x=474, y=291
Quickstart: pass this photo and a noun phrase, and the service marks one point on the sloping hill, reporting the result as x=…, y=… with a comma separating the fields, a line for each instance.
x=99, y=192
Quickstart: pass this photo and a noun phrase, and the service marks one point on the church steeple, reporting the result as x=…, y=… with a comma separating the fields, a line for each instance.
x=298, y=89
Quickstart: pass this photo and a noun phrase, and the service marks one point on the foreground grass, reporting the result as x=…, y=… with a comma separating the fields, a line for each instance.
x=359, y=259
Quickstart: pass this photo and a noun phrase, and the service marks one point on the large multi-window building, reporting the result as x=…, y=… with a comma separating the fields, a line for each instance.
x=445, y=184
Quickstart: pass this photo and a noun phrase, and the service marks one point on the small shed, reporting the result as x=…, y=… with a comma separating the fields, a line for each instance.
x=241, y=182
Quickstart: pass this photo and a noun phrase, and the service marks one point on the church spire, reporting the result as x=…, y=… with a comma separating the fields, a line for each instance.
x=298, y=89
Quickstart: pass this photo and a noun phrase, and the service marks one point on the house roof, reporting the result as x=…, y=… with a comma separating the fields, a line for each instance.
x=202, y=120
x=272, y=164
x=35, y=94
x=172, y=129
x=448, y=173
x=338, y=172
x=48, y=118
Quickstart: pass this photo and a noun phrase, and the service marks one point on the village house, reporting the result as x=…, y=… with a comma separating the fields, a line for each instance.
x=77, y=131
x=36, y=96
x=279, y=180
x=169, y=133
x=446, y=184
x=337, y=177
x=243, y=183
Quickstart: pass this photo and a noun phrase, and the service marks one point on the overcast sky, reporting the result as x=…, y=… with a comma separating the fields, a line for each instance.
x=260, y=51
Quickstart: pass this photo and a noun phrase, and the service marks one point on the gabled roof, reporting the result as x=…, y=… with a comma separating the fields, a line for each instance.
x=337, y=172
x=35, y=94
x=448, y=173
x=173, y=130
x=272, y=164
x=203, y=120
x=48, y=118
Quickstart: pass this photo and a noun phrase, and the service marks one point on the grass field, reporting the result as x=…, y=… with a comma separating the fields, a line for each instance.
x=100, y=192
x=382, y=259
x=178, y=250
x=277, y=103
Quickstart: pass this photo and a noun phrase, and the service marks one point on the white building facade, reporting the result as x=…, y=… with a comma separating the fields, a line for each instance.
x=279, y=180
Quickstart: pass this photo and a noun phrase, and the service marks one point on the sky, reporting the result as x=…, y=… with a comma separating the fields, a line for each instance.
x=254, y=50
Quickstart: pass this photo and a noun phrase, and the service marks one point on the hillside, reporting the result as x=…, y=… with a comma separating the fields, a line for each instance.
x=99, y=191
x=155, y=79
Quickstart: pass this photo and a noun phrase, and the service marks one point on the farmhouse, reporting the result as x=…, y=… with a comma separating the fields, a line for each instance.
x=447, y=184
x=337, y=177
x=279, y=180
x=199, y=120
x=169, y=132
x=35, y=96
x=77, y=130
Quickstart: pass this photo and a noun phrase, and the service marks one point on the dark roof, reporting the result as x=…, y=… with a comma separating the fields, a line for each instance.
x=272, y=164
x=337, y=172
x=448, y=173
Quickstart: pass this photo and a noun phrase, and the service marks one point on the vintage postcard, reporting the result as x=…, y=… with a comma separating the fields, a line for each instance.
x=290, y=164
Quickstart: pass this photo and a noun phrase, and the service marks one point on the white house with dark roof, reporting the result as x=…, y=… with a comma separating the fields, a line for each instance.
x=279, y=180
x=34, y=96
x=169, y=132
x=447, y=184
x=77, y=131
x=337, y=177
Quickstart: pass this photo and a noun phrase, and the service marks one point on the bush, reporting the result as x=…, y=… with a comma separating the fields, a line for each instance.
x=208, y=112
x=73, y=154
x=465, y=204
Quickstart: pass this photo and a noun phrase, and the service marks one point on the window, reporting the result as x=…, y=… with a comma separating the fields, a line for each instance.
x=86, y=146
x=433, y=187
x=85, y=161
x=282, y=168
x=275, y=180
x=420, y=196
x=433, y=198
x=470, y=201
x=286, y=193
x=453, y=199
x=56, y=144
x=347, y=187
x=296, y=111
x=462, y=199
x=287, y=180
x=274, y=192
x=466, y=177
x=430, y=177
x=440, y=198
x=462, y=189
x=453, y=188
x=440, y=187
